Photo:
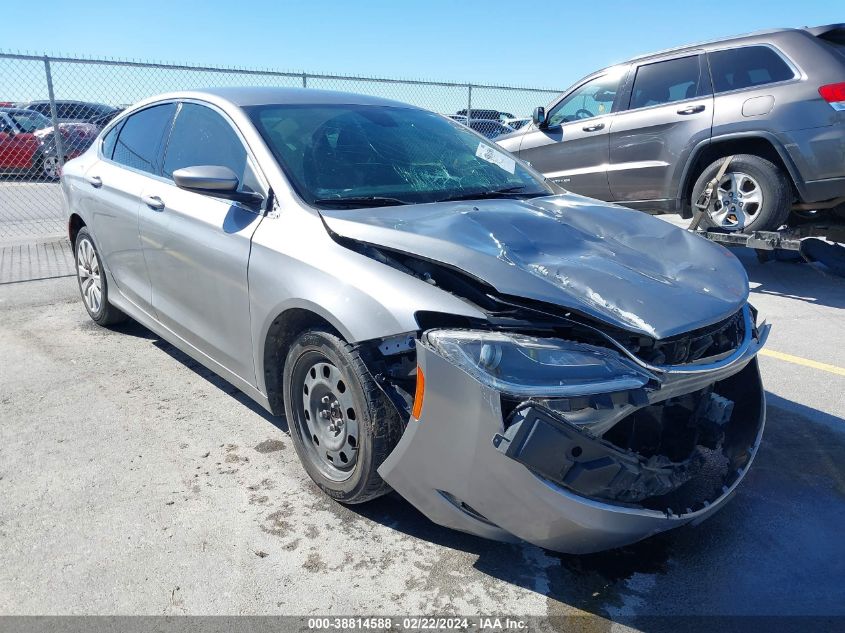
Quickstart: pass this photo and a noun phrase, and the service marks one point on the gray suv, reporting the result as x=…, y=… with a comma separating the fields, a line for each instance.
x=651, y=133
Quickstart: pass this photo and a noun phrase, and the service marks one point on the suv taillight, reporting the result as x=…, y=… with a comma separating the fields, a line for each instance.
x=834, y=94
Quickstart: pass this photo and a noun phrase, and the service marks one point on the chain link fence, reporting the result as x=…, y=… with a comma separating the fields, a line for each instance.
x=78, y=97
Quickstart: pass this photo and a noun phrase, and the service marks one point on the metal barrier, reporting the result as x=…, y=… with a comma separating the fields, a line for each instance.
x=77, y=97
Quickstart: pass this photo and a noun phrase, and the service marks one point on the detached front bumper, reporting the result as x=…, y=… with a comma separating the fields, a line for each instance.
x=459, y=464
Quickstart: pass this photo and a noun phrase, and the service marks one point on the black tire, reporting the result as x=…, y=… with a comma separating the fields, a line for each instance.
x=377, y=426
x=101, y=312
x=767, y=180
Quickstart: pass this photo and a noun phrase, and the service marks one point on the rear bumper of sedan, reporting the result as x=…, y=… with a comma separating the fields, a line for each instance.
x=473, y=462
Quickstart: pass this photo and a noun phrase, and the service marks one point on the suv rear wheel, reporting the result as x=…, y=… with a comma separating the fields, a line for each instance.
x=752, y=195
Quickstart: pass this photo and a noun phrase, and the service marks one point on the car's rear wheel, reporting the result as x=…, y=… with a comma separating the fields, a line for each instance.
x=752, y=195
x=50, y=167
x=342, y=425
x=92, y=281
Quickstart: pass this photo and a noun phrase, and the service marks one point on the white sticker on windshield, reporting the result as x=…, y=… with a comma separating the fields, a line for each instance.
x=485, y=152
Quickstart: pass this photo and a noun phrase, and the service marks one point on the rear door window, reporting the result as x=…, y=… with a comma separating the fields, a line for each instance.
x=667, y=82
x=746, y=67
x=139, y=141
x=201, y=136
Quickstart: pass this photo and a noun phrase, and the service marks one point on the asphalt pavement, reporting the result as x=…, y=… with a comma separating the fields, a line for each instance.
x=135, y=481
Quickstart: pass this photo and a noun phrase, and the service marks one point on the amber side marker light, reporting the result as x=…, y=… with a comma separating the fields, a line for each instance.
x=418, y=394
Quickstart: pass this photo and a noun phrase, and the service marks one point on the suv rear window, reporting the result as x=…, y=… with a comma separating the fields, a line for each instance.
x=737, y=68
x=665, y=82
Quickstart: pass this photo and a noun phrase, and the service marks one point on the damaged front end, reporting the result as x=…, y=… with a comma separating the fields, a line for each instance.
x=562, y=417
x=573, y=445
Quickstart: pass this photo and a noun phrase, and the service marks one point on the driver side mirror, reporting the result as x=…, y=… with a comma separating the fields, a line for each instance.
x=214, y=180
x=539, y=117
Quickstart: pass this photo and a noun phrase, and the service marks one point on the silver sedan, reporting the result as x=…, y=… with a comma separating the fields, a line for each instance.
x=428, y=313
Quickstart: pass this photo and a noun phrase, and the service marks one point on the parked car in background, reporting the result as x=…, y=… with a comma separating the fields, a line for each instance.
x=427, y=312
x=28, y=145
x=72, y=111
x=495, y=115
x=104, y=119
x=652, y=132
x=517, y=123
x=489, y=128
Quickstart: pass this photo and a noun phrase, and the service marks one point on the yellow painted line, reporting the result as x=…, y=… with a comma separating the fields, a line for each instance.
x=806, y=362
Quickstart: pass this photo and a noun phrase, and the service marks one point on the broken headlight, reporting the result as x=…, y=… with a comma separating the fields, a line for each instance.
x=527, y=366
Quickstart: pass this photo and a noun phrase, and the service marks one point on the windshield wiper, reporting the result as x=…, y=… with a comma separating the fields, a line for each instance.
x=362, y=201
x=506, y=192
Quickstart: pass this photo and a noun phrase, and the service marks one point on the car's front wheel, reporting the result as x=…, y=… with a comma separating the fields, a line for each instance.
x=752, y=195
x=92, y=281
x=342, y=425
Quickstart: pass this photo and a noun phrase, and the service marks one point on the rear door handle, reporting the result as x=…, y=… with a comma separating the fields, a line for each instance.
x=153, y=202
x=593, y=128
x=94, y=181
x=692, y=110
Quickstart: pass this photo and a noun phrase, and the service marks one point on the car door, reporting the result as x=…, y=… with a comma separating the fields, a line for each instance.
x=668, y=111
x=197, y=246
x=17, y=148
x=130, y=158
x=571, y=148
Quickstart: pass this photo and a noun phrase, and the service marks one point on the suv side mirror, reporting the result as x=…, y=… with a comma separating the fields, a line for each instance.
x=539, y=116
x=214, y=180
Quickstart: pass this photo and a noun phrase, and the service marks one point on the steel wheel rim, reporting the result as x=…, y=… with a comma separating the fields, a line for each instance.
x=88, y=272
x=737, y=200
x=326, y=416
x=51, y=167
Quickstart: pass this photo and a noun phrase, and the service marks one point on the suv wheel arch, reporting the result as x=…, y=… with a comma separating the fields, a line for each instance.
x=760, y=144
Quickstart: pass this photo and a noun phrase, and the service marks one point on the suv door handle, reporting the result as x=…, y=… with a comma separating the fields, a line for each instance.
x=692, y=110
x=94, y=181
x=593, y=128
x=153, y=202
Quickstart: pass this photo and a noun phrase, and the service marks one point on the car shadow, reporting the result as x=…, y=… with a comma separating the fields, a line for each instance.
x=133, y=328
x=793, y=279
x=782, y=526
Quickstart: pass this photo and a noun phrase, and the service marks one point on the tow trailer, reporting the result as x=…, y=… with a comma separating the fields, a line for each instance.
x=816, y=241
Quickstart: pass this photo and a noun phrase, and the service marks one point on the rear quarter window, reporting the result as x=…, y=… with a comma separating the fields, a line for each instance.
x=746, y=67
x=110, y=140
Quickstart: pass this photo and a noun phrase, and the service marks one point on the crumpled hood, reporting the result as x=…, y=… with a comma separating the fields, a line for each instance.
x=620, y=266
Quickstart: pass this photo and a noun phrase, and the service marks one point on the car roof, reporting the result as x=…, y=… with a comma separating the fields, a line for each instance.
x=253, y=96
x=74, y=101
x=817, y=30
x=19, y=111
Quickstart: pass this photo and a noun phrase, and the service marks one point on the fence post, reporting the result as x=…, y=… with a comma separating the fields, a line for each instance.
x=57, y=136
x=304, y=80
x=469, y=102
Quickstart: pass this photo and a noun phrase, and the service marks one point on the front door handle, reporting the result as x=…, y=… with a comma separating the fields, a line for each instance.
x=94, y=181
x=692, y=110
x=593, y=128
x=153, y=202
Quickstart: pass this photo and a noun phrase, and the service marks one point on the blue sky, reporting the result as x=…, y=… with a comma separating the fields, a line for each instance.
x=491, y=41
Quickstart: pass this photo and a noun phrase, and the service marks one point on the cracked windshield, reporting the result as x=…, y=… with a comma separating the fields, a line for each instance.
x=339, y=156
